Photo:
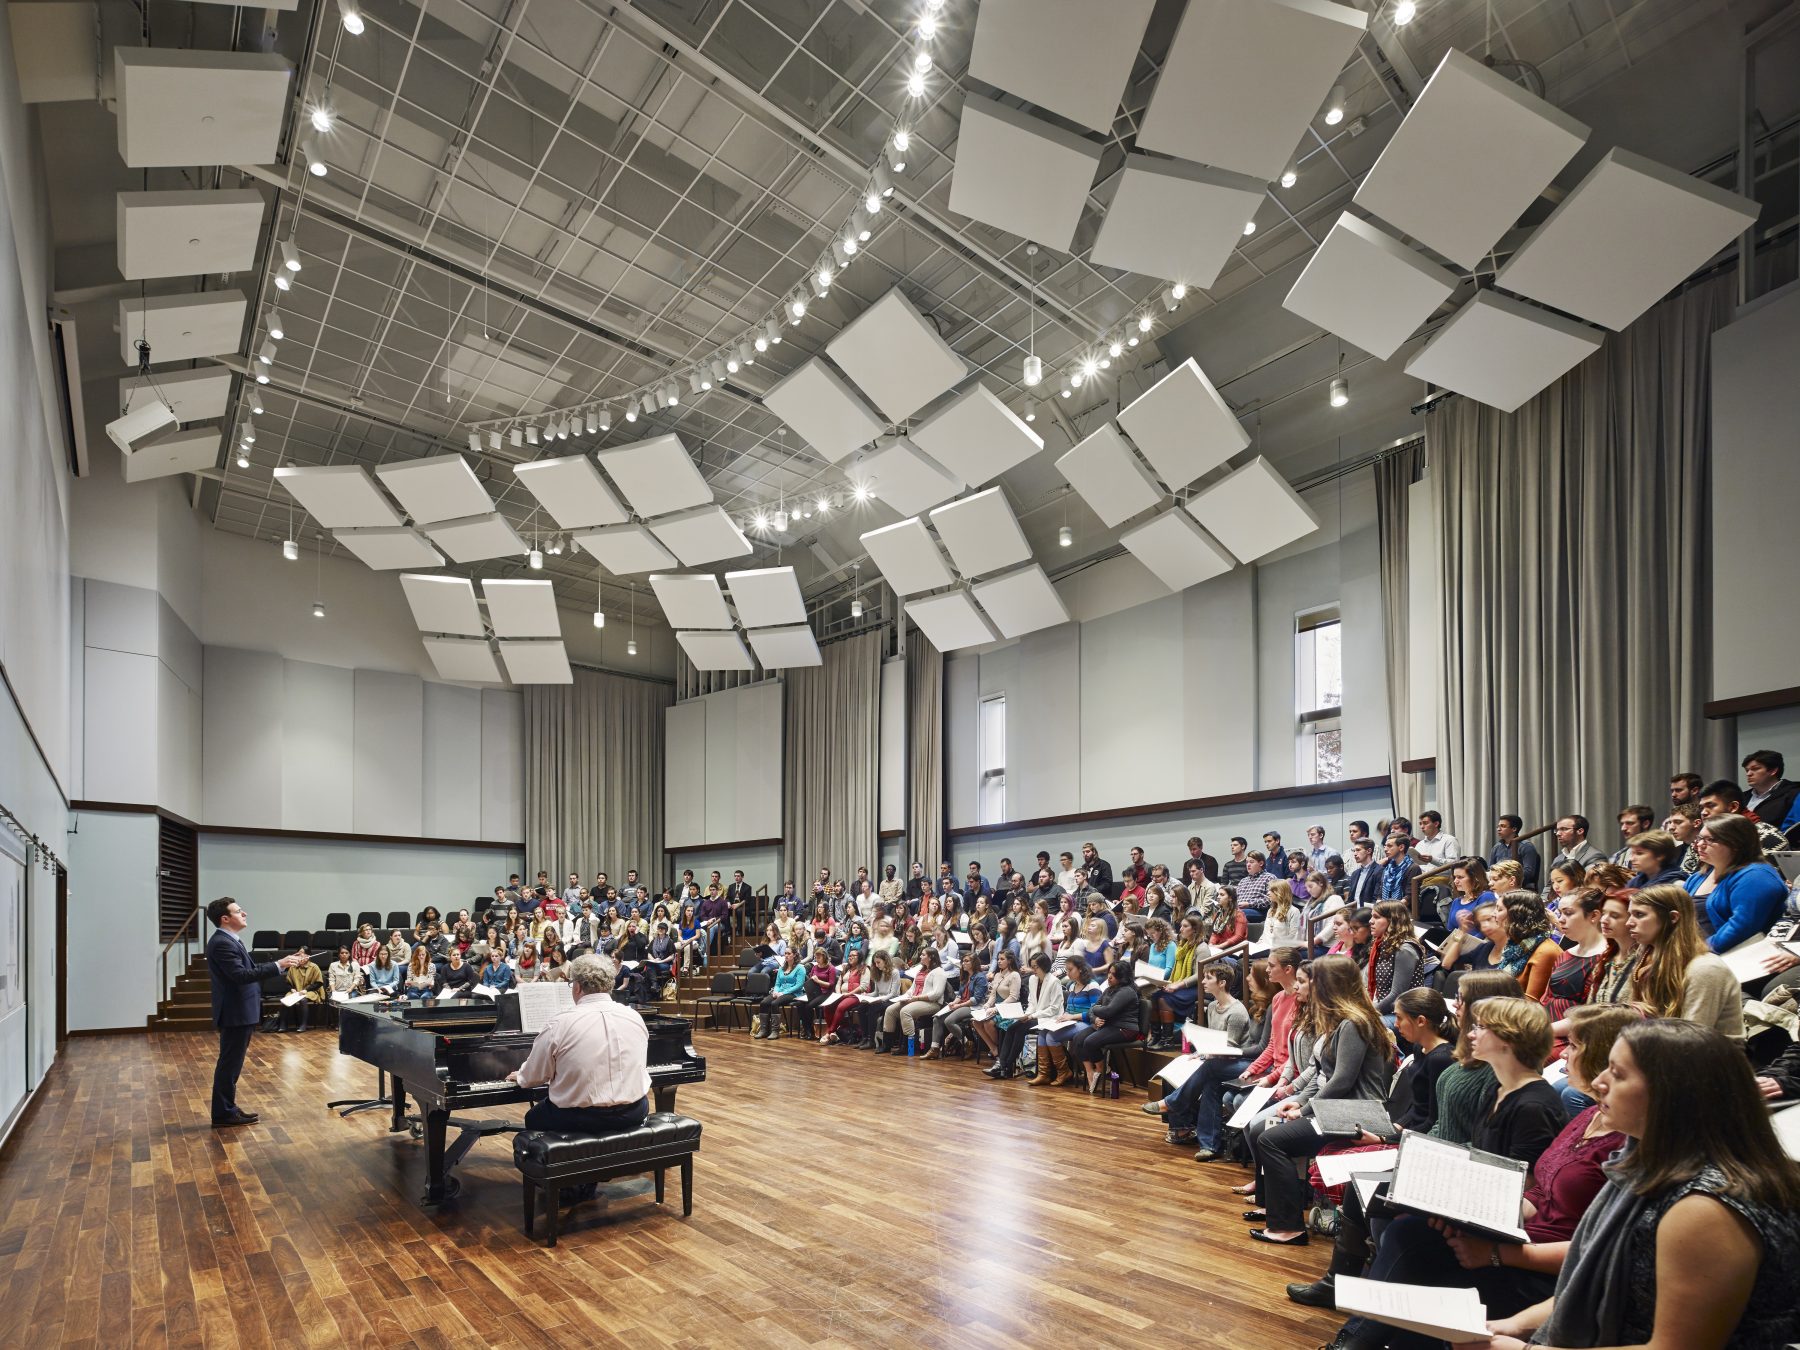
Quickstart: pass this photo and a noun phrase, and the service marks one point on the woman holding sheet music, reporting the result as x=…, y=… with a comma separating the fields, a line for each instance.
x=1043, y=1001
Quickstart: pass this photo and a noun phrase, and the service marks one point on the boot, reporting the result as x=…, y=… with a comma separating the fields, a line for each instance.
x=933, y=1053
x=762, y=1026
x=1065, y=1068
x=775, y=1026
x=1042, y=1078
x=1321, y=1293
x=879, y=1043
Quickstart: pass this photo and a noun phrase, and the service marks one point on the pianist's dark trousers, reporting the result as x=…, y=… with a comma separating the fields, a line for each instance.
x=547, y=1115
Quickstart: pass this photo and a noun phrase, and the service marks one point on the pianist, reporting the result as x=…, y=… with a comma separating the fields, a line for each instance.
x=592, y=1056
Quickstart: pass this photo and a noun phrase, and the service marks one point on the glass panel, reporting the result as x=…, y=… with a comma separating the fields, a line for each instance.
x=1328, y=665
x=1328, y=755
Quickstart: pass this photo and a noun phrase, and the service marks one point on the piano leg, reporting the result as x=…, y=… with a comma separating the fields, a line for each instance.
x=665, y=1097
x=439, y=1185
x=398, y=1123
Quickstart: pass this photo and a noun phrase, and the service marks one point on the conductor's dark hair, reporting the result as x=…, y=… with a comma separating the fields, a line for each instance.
x=215, y=910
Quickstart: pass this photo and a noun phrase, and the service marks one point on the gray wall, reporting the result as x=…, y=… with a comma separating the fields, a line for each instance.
x=112, y=890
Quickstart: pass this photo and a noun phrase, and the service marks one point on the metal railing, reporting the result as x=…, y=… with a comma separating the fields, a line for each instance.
x=1419, y=882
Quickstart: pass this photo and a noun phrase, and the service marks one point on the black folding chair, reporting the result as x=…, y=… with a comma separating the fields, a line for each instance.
x=722, y=990
x=372, y=917
x=338, y=919
x=756, y=988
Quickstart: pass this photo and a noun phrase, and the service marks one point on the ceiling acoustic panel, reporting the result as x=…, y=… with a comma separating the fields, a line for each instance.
x=1183, y=426
x=1253, y=511
x=907, y=480
x=1108, y=477
x=443, y=604
x=1176, y=221
x=908, y=557
x=442, y=487
x=767, y=597
x=1020, y=173
x=785, y=648
x=531, y=661
x=896, y=357
x=468, y=660
x=828, y=414
x=177, y=450
x=180, y=234
x=1069, y=57
x=700, y=536
x=572, y=491
x=656, y=475
x=691, y=599
x=625, y=550
x=1629, y=233
x=1021, y=601
x=1178, y=551
x=179, y=106
x=981, y=533
x=389, y=547
x=196, y=395
x=475, y=538
x=977, y=437
x=716, y=651
x=1368, y=288
x=520, y=608
x=181, y=327
x=1473, y=153
x=339, y=496
x=1501, y=351
x=951, y=621
x=1243, y=78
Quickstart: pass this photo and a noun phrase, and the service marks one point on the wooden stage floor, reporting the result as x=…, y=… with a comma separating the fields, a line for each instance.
x=841, y=1200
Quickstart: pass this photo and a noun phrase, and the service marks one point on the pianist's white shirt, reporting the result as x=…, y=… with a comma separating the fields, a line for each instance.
x=592, y=1054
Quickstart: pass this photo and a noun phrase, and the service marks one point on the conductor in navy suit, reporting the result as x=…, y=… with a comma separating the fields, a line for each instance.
x=236, y=1002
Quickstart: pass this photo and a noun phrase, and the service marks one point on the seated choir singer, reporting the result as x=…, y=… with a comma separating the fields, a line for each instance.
x=593, y=1057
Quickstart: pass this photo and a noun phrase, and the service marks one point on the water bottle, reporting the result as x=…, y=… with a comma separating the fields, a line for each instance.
x=912, y=1045
x=1112, y=1086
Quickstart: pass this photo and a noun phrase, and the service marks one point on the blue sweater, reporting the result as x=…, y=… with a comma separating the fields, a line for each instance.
x=790, y=981
x=1746, y=903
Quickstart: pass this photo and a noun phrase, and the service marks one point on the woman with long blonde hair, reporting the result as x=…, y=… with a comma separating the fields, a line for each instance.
x=1676, y=976
x=1284, y=923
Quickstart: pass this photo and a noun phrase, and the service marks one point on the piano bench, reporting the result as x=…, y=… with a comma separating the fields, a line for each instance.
x=550, y=1160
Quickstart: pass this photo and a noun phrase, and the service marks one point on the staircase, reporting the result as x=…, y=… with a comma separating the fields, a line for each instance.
x=693, y=983
x=189, y=1004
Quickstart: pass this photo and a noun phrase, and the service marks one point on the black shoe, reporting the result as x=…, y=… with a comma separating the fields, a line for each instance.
x=1321, y=1293
x=1262, y=1235
x=241, y=1118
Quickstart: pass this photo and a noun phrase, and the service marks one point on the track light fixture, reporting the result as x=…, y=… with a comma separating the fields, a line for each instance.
x=536, y=559
x=1065, y=537
x=265, y=354
x=290, y=550
x=1249, y=228
x=243, y=459
x=256, y=403
x=284, y=279
x=1334, y=106
x=314, y=165
x=1290, y=175
x=277, y=325
x=318, y=609
x=631, y=412
x=1404, y=13
x=353, y=20
x=605, y=419
x=290, y=256
x=797, y=307
x=1340, y=391
x=772, y=330
x=694, y=382
x=321, y=118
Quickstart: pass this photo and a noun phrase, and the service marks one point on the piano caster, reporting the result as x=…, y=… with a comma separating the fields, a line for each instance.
x=451, y=1189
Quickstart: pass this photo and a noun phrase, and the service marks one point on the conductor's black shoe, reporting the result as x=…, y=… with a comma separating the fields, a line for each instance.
x=241, y=1118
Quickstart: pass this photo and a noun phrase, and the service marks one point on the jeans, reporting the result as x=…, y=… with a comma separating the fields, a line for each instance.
x=1195, y=1104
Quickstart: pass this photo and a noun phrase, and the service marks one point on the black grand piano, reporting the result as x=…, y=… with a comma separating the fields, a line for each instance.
x=454, y=1054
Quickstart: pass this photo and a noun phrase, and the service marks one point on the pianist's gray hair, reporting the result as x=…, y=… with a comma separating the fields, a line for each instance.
x=592, y=974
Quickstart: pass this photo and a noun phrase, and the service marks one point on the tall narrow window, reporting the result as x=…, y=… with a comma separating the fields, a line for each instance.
x=991, y=808
x=1319, y=696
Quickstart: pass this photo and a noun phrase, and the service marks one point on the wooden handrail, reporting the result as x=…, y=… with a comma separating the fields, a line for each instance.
x=184, y=938
x=1443, y=869
x=181, y=933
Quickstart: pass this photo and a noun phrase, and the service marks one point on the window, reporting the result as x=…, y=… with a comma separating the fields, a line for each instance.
x=991, y=807
x=1319, y=696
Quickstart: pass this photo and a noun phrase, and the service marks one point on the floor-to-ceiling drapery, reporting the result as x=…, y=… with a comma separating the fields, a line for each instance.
x=924, y=754
x=832, y=766
x=1394, y=477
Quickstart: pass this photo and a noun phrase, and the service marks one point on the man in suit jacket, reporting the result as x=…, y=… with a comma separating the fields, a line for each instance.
x=236, y=1002
x=742, y=900
x=1365, y=879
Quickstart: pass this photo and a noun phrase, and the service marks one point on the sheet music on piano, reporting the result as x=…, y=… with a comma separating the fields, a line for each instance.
x=541, y=1000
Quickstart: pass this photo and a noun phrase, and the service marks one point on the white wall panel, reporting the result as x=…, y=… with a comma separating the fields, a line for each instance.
x=1130, y=706
x=112, y=885
x=1043, y=725
x=122, y=618
x=120, y=717
x=684, y=773
x=890, y=813
x=178, y=718
x=757, y=771
x=318, y=717
x=718, y=774
x=240, y=739
x=452, y=762
x=502, y=766
x=387, y=790
x=1218, y=745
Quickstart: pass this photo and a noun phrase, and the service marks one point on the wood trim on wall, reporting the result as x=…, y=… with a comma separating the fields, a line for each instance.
x=891, y=834
x=328, y=836
x=1752, y=703
x=1426, y=765
x=729, y=843
x=1171, y=808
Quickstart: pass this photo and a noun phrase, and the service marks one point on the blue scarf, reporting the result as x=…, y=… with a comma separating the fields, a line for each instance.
x=1393, y=879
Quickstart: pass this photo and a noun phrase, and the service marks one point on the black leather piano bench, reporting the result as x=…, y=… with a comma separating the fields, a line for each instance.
x=550, y=1161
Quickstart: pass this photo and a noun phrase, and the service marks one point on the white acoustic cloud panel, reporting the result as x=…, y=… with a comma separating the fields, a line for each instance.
x=908, y=557
x=1473, y=153
x=896, y=357
x=977, y=437
x=388, y=547
x=180, y=106
x=443, y=604
x=981, y=533
x=830, y=416
x=571, y=489
x=951, y=621
x=1021, y=601
x=907, y=480
x=1183, y=426
x=625, y=550
x=196, y=395
x=785, y=648
x=469, y=660
x=521, y=608
x=1071, y=57
x=1501, y=351
x=1368, y=288
x=1244, y=77
x=339, y=496
x=767, y=597
x=1020, y=173
x=1253, y=511
x=700, y=536
x=1176, y=221
x=1178, y=551
x=474, y=538
x=442, y=487
x=691, y=599
x=536, y=662
x=1628, y=234
x=656, y=475
x=177, y=450
x=181, y=327
x=716, y=651
x=1109, y=478
x=178, y=234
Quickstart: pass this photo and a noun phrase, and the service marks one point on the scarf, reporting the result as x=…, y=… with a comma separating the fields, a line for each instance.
x=1595, y=1287
x=1514, y=955
x=1183, y=969
x=1393, y=879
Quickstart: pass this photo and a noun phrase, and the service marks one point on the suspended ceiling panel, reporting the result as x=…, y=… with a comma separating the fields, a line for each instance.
x=907, y=480
x=981, y=533
x=626, y=550
x=908, y=557
x=767, y=597
x=828, y=414
x=951, y=621
x=536, y=662
x=181, y=327
x=521, y=608
x=572, y=491
x=443, y=604
x=477, y=537
x=1183, y=426
x=785, y=648
x=1243, y=78
x=174, y=451
x=1630, y=233
x=1178, y=551
x=1501, y=351
x=442, y=487
x=196, y=395
x=691, y=600
x=1069, y=57
x=1473, y=153
x=179, y=234
x=656, y=475
x=716, y=651
x=469, y=660
x=339, y=496
x=180, y=107
x=1253, y=511
x=1108, y=477
x=1368, y=288
x=977, y=437
x=388, y=547
x=1020, y=173
x=1021, y=601
x=1176, y=221
x=896, y=357
x=704, y=535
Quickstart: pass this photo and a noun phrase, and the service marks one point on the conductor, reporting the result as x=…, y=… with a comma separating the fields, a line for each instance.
x=593, y=1056
x=236, y=1002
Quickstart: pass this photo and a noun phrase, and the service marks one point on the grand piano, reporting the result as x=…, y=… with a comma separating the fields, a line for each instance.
x=453, y=1055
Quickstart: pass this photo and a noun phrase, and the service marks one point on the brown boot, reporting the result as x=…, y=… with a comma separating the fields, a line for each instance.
x=934, y=1053
x=1045, y=1063
x=1065, y=1068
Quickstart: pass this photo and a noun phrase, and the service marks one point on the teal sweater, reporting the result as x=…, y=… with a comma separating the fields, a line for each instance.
x=790, y=981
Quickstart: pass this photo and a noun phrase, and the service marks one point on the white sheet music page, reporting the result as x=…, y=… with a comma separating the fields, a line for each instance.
x=1253, y=1103
x=1447, y=1314
x=1443, y=1179
x=1178, y=1071
x=541, y=1000
x=1208, y=1040
x=1336, y=1168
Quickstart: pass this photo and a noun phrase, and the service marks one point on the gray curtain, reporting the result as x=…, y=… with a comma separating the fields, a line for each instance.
x=1574, y=546
x=1393, y=477
x=594, y=776
x=924, y=754
x=832, y=765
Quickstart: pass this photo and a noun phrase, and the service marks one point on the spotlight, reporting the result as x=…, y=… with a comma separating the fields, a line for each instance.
x=256, y=403
x=928, y=27
x=1066, y=537
x=1334, y=106
x=1404, y=13
x=1066, y=389
x=1144, y=322
x=718, y=370
x=516, y=435
x=290, y=256
x=674, y=391
x=760, y=522
x=1249, y=228
x=277, y=325
x=921, y=60
x=933, y=6
x=1179, y=290
x=822, y=281
x=290, y=550
x=353, y=21
x=536, y=559
x=243, y=460
x=631, y=412
x=780, y=521
x=1089, y=368
x=884, y=187
x=872, y=201
x=762, y=342
x=1075, y=380
x=1115, y=348
x=1034, y=369
x=856, y=609
x=915, y=84
x=823, y=505
x=745, y=355
x=314, y=165
x=605, y=419
x=902, y=139
x=631, y=647
x=1106, y=363
x=897, y=157
x=797, y=307
x=851, y=244
x=265, y=354
x=648, y=404
x=859, y=224
x=694, y=385
x=599, y=619
x=731, y=364
x=862, y=492
x=531, y=435
x=249, y=436
x=1031, y=410
x=1340, y=391
x=1290, y=175
x=321, y=119
x=262, y=377
x=1132, y=341
x=772, y=330
x=283, y=279
x=318, y=609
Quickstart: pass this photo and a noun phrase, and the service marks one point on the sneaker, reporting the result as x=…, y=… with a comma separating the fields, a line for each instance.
x=1179, y=1138
x=1205, y=1155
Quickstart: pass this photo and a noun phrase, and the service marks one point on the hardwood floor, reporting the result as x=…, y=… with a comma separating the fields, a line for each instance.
x=840, y=1201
